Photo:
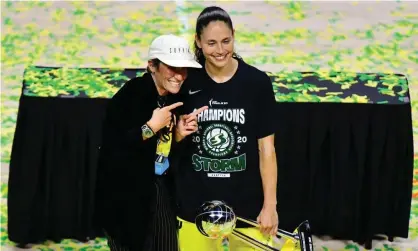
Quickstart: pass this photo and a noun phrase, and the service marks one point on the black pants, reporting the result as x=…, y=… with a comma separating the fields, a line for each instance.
x=163, y=233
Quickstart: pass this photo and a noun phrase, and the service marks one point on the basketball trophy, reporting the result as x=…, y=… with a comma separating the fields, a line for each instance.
x=216, y=220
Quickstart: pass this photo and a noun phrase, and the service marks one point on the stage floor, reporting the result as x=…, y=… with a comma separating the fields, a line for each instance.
x=271, y=35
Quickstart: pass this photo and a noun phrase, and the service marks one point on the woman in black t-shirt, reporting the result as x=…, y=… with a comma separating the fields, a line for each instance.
x=232, y=156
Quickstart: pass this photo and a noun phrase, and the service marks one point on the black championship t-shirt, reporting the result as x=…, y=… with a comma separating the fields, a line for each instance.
x=221, y=160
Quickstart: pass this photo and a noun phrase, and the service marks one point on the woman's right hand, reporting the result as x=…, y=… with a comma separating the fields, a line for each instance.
x=188, y=124
x=161, y=117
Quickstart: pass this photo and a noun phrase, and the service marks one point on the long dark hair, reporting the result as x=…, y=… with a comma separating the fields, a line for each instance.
x=210, y=14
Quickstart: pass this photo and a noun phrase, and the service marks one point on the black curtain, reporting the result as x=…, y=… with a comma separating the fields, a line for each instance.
x=347, y=168
x=53, y=169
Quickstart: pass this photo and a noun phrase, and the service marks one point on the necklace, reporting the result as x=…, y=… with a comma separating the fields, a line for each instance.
x=161, y=101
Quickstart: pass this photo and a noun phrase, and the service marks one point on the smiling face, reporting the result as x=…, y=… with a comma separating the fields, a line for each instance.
x=168, y=79
x=217, y=43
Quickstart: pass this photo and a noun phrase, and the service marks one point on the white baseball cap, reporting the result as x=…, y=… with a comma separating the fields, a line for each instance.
x=173, y=51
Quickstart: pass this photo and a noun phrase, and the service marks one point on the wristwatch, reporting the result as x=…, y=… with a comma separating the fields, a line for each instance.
x=147, y=131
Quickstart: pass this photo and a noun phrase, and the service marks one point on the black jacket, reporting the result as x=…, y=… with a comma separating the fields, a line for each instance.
x=125, y=178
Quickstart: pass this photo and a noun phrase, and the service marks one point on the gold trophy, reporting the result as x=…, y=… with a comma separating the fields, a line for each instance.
x=216, y=220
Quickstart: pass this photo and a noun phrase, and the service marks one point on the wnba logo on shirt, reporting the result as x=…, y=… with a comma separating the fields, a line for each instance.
x=214, y=102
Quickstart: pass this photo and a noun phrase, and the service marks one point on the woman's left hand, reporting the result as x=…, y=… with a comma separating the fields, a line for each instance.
x=268, y=220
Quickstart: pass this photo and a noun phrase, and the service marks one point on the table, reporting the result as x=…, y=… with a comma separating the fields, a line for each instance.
x=344, y=150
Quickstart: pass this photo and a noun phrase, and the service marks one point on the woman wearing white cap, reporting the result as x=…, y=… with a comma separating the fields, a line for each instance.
x=133, y=201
